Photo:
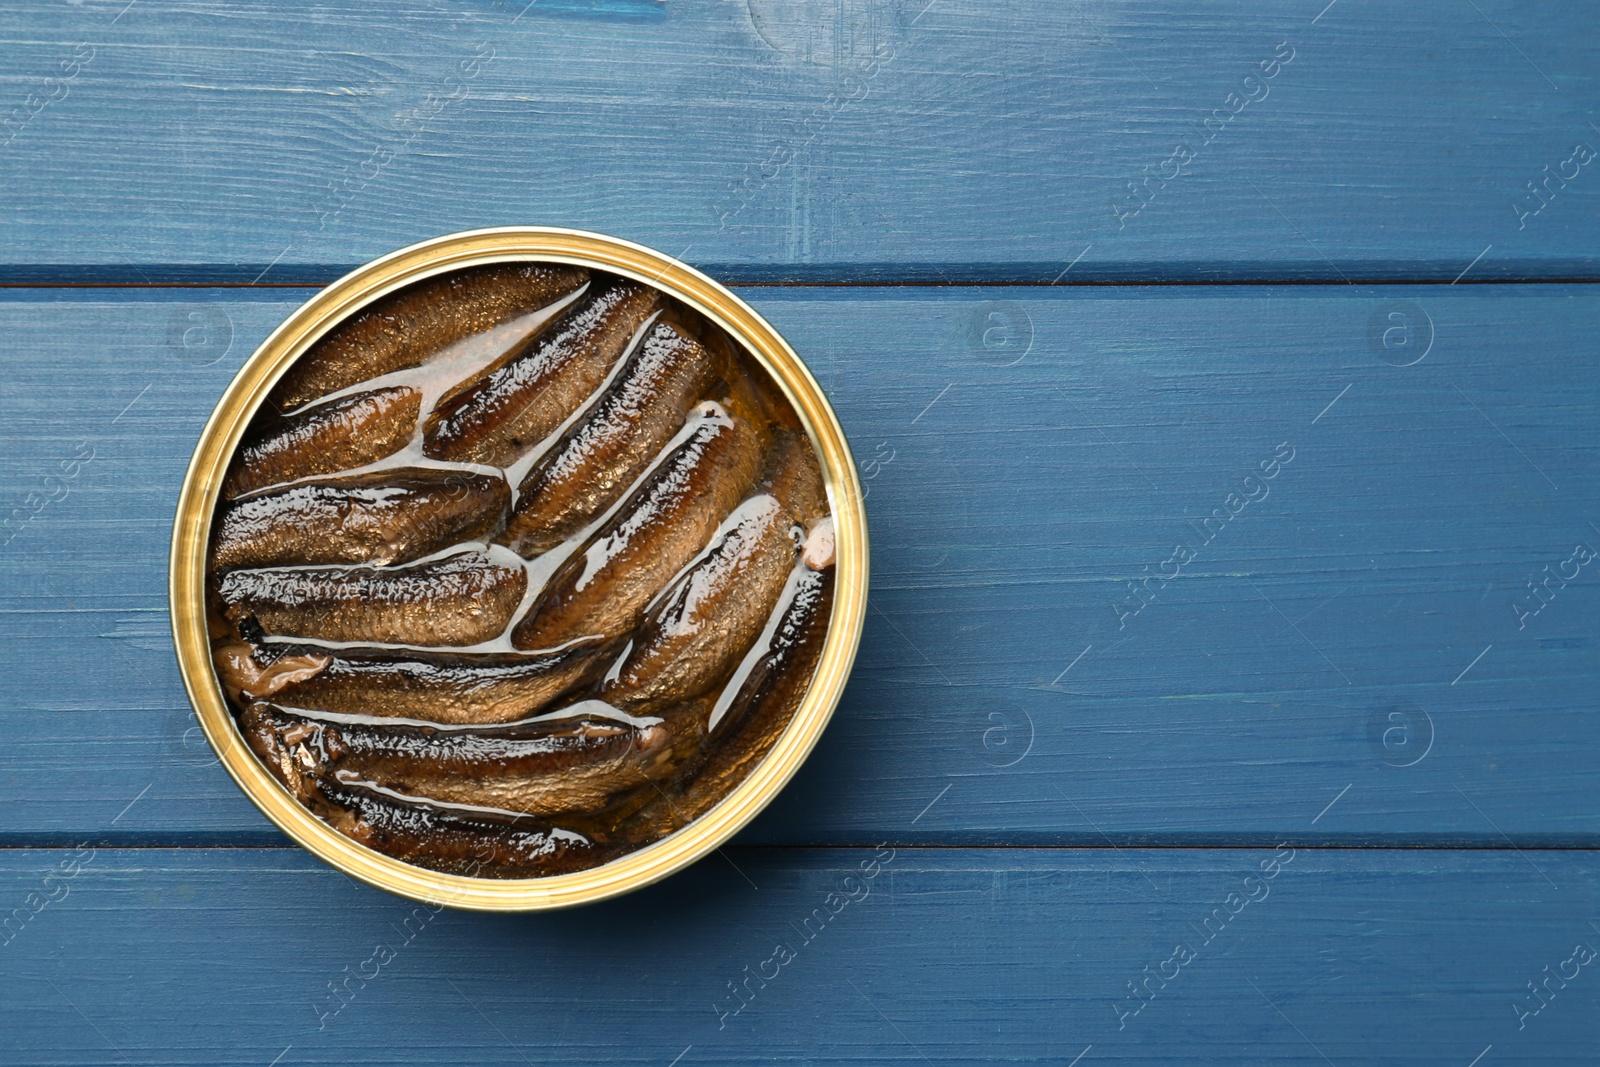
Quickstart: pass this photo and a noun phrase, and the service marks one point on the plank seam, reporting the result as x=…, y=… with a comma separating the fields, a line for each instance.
x=888, y=283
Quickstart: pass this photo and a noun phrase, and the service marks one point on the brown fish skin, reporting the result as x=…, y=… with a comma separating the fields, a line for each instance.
x=613, y=442
x=444, y=687
x=695, y=632
x=760, y=710
x=382, y=517
x=496, y=416
x=603, y=588
x=345, y=433
x=463, y=599
x=440, y=840
x=245, y=678
x=746, y=378
x=783, y=673
x=578, y=764
x=414, y=831
x=794, y=476
x=405, y=329
x=417, y=833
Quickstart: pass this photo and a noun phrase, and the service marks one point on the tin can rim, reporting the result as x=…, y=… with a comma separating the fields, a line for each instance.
x=219, y=440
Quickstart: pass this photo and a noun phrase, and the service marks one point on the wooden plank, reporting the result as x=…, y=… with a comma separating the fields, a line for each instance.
x=952, y=140
x=1349, y=636
x=1414, y=957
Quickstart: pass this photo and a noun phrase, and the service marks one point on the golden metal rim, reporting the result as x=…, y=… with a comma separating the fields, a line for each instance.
x=218, y=441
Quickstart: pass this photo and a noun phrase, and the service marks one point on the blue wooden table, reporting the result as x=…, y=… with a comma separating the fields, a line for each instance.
x=1224, y=383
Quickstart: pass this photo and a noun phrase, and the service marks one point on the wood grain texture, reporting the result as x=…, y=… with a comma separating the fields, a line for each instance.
x=1353, y=655
x=1027, y=454
x=1415, y=957
x=947, y=141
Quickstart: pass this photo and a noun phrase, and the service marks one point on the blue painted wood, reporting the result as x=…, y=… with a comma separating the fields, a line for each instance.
x=1415, y=957
x=1355, y=657
x=1349, y=636
x=947, y=141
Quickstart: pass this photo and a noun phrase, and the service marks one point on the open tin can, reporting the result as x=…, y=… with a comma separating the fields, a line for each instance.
x=222, y=437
